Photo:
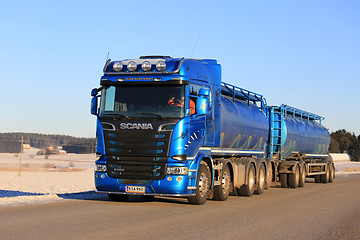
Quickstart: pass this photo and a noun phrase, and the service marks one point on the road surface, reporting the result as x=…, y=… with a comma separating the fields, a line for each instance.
x=317, y=211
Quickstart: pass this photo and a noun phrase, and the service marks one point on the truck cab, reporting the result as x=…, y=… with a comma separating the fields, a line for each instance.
x=153, y=115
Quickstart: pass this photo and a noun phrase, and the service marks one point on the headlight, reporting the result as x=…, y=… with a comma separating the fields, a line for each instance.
x=160, y=65
x=118, y=66
x=132, y=66
x=176, y=170
x=146, y=66
x=100, y=168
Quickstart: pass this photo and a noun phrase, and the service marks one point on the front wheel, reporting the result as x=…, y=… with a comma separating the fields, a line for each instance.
x=202, y=185
x=221, y=192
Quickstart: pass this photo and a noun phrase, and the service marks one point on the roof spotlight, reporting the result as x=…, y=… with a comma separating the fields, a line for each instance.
x=160, y=65
x=117, y=66
x=146, y=66
x=132, y=66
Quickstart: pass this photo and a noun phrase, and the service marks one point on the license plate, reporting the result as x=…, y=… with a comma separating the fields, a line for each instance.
x=134, y=189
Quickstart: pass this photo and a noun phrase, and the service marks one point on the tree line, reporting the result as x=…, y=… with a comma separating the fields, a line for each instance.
x=10, y=142
x=345, y=142
x=341, y=142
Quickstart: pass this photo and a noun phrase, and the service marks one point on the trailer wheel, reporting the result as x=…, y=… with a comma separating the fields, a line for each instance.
x=269, y=181
x=325, y=177
x=332, y=173
x=260, y=185
x=248, y=189
x=202, y=185
x=302, y=179
x=118, y=197
x=294, y=177
x=317, y=178
x=284, y=180
x=221, y=192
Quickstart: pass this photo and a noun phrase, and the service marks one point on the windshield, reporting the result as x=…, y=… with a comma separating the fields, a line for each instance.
x=143, y=101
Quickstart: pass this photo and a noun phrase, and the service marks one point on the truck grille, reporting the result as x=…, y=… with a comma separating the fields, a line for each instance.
x=137, y=155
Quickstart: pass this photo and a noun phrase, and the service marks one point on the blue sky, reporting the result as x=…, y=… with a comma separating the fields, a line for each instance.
x=302, y=53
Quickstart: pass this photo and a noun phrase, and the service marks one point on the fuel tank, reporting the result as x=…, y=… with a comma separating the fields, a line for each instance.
x=244, y=126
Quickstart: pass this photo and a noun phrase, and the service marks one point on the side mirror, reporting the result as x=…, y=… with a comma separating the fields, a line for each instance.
x=94, y=105
x=94, y=92
x=202, y=103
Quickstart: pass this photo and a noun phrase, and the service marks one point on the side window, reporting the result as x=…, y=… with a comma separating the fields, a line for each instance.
x=194, y=94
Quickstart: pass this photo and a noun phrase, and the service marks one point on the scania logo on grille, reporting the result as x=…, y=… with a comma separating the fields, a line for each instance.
x=136, y=126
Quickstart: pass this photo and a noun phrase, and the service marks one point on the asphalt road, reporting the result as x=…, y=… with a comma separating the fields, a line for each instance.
x=317, y=211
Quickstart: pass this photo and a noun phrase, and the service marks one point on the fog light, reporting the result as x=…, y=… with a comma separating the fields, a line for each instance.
x=169, y=179
x=179, y=179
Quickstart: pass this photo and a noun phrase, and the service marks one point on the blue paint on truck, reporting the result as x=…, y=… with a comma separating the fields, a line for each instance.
x=170, y=127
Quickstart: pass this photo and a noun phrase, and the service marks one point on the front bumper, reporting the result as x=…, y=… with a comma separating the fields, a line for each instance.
x=171, y=185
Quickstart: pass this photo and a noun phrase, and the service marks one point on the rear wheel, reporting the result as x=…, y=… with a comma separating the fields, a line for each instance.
x=269, y=181
x=332, y=173
x=221, y=192
x=118, y=197
x=260, y=185
x=325, y=177
x=248, y=189
x=284, y=180
x=317, y=178
x=302, y=178
x=202, y=185
x=294, y=177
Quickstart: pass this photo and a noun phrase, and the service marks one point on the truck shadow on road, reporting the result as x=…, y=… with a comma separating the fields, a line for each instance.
x=10, y=193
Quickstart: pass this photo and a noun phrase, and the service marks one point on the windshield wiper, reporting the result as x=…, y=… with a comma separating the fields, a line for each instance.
x=116, y=115
x=154, y=114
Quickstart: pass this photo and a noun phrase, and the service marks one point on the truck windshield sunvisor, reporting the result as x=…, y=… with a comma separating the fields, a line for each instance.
x=146, y=101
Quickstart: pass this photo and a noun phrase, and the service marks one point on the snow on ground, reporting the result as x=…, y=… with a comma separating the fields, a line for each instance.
x=64, y=177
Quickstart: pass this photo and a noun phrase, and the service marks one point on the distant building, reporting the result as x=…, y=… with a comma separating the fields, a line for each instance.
x=339, y=157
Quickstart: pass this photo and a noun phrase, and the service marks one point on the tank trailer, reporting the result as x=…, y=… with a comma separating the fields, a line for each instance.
x=170, y=127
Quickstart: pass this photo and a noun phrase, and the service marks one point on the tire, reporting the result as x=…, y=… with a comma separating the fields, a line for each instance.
x=202, y=185
x=269, y=178
x=317, y=178
x=333, y=167
x=331, y=173
x=261, y=180
x=221, y=192
x=248, y=189
x=302, y=178
x=284, y=180
x=294, y=177
x=325, y=177
x=118, y=197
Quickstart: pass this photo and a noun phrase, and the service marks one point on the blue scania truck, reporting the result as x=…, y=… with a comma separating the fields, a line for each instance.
x=170, y=127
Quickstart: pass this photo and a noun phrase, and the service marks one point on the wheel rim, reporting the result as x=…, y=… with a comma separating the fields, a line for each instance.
x=262, y=178
x=303, y=175
x=297, y=175
x=203, y=184
x=251, y=179
x=225, y=182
